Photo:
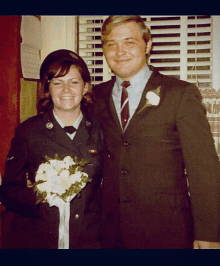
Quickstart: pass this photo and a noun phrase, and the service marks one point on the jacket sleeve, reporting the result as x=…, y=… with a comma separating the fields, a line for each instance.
x=16, y=196
x=202, y=165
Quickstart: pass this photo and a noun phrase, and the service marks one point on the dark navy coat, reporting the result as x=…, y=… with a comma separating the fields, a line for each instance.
x=146, y=169
x=27, y=225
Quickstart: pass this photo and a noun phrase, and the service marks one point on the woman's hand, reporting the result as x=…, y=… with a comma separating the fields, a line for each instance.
x=29, y=184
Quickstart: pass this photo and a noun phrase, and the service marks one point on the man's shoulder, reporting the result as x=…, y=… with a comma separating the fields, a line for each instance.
x=175, y=81
x=103, y=87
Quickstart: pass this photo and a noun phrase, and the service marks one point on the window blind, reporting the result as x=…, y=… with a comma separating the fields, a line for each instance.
x=90, y=48
x=181, y=47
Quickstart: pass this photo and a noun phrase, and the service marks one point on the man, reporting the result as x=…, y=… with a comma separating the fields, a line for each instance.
x=157, y=141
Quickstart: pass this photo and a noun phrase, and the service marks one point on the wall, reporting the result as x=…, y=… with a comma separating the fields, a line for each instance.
x=58, y=32
x=10, y=82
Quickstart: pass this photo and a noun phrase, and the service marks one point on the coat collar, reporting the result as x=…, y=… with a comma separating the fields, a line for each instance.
x=153, y=82
x=106, y=105
x=54, y=131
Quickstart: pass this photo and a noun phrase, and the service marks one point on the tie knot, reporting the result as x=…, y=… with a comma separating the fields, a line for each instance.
x=70, y=129
x=125, y=84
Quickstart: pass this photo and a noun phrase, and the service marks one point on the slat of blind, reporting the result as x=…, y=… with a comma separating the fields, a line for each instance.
x=199, y=30
x=166, y=48
x=165, y=39
x=165, y=31
x=177, y=47
x=193, y=55
x=165, y=54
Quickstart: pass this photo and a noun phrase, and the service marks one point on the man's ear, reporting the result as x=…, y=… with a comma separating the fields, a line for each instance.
x=148, y=47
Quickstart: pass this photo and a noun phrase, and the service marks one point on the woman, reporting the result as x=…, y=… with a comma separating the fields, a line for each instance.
x=65, y=79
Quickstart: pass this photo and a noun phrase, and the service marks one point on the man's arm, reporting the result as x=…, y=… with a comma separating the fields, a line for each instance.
x=202, y=167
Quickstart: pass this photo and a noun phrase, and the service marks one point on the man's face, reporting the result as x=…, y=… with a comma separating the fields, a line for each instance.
x=125, y=50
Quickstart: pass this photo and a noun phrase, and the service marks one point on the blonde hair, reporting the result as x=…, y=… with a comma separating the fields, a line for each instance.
x=113, y=21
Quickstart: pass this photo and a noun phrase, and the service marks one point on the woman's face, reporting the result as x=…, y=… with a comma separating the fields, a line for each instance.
x=67, y=92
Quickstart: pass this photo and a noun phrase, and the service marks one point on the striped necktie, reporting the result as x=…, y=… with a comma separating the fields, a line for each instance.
x=124, y=104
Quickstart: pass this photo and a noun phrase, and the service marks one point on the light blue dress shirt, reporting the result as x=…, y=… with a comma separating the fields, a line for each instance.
x=135, y=90
x=76, y=123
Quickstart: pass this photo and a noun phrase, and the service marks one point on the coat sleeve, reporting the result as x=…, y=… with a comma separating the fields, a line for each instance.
x=16, y=196
x=202, y=165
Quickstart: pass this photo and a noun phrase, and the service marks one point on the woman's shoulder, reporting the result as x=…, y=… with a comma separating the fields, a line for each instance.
x=31, y=122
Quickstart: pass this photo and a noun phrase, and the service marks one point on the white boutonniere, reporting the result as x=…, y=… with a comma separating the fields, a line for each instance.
x=152, y=98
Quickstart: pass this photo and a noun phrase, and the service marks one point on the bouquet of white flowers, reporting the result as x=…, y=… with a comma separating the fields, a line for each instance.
x=58, y=182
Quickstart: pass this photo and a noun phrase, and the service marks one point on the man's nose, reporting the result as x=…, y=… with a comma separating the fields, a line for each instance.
x=121, y=49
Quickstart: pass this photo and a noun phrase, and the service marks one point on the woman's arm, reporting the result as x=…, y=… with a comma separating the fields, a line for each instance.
x=16, y=196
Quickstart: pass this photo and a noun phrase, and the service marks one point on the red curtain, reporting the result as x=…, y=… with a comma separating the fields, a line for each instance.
x=10, y=73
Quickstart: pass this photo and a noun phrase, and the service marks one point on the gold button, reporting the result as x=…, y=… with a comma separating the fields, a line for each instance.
x=77, y=216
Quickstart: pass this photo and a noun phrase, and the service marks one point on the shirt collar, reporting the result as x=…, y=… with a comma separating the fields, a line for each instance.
x=140, y=77
x=76, y=123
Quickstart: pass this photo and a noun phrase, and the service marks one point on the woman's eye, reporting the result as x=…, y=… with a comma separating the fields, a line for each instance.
x=56, y=83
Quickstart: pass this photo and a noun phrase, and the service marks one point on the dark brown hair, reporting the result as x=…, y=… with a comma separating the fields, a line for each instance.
x=58, y=64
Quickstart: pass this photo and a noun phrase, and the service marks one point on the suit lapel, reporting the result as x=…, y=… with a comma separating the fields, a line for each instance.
x=107, y=108
x=153, y=82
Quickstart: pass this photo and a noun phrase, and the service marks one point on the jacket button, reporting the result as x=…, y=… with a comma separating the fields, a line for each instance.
x=124, y=172
x=77, y=216
x=125, y=143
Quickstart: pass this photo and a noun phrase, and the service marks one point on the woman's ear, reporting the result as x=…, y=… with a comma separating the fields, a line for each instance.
x=86, y=88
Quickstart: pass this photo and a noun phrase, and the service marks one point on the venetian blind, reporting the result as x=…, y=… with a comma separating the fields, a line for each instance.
x=90, y=48
x=181, y=47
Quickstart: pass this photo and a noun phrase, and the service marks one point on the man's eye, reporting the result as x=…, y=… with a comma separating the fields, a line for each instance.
x=110, y=45
x=73, y=82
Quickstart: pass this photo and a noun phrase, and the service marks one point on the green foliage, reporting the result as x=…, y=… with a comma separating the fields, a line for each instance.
x=74, y=188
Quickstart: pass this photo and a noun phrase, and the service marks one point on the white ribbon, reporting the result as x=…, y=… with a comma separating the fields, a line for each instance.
x=64, y=210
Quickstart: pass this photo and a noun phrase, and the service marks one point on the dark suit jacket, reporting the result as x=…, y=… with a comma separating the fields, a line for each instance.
x=144, y=179
x=27, y=225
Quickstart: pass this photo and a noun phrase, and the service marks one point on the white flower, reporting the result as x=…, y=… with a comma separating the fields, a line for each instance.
x=153, y=98
x=44, y=187
x=75, y=177
x=52, y=181
x=41, y=176
x=44, y=167
x=64, y=173
x=58, y=189
x=58, y=177
x=57, y=165
x=67, y=161
x=65, y=182
x=52, y=172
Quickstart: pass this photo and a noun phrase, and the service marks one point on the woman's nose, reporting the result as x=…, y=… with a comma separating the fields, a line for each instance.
x=66, y=87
